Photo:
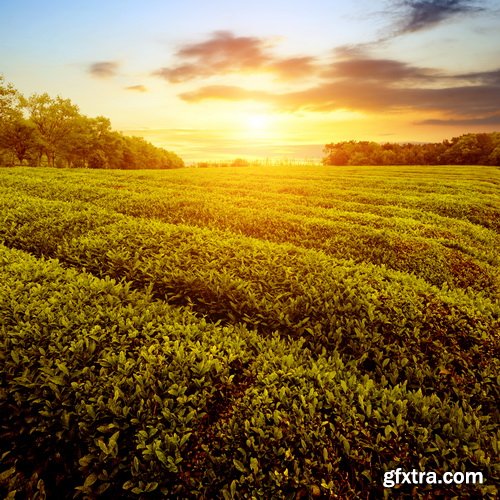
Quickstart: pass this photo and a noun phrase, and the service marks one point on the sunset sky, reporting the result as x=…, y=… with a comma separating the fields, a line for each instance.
x=223, y=79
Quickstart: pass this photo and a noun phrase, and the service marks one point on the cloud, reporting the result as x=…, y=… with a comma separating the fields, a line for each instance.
x=226, y=93
x=485, y=120
x=223, y=45
x=222, y=53
x=225, y=53
x=369, y=69
x=352, y=80
x=374, y=97
x=104, y=69
x=294, y=67
x=375, y=85
x=137, y=88
x=423, y=14
x=486, y=77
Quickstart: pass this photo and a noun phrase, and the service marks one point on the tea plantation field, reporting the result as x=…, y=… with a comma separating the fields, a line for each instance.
x=257, y=332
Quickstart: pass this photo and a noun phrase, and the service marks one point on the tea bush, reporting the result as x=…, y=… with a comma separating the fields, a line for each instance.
x=232, y=334
x=407, y=228
x=107, y=392
x=102, y=387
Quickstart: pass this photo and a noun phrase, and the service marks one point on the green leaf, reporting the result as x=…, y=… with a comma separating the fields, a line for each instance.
x=90, y=480
x=57, y=380
x=86, y=460
x=113, y=439
x=151, y=487
x=62, y=367
x=399, y=420
x=7, y=473
x=239, y=465
x=254, y=465
x=347, y=446
x=161, y=457
x=127, y=485
x=185, y=439
x=102, y=446
x=233, y=488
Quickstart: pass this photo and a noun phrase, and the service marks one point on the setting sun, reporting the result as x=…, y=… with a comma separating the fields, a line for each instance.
x=258, y=123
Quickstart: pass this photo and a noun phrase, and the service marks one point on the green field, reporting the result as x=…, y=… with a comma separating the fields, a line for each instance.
x=256, y=332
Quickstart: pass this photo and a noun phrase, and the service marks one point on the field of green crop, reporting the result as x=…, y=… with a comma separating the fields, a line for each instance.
x=257, y=332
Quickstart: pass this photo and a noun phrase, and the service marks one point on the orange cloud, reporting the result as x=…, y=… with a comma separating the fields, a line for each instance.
x=352, y=81
x=137, y=88
x=224, y=46
x=357, y=94
x=104, y=69
x=226, y=93
x=226, y=53
x=383, y=96
x=295, y=67
x=378, y=69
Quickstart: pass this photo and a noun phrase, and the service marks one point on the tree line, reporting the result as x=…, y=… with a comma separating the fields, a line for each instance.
x=468, y=149
x=42, y=130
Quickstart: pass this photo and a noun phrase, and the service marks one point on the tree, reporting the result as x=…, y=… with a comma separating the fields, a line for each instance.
x=468, y=149
x=10, y=114
x=494, y=156
x=465, y=150
x=336, y=155
x=20, y=137
x=10, y=102
x=54, y=120
x=52, y=129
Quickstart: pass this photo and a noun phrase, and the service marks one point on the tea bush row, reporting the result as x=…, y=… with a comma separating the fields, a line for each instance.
x=394, y=325
x=456, y=193
x=458, y=255
x=107, y=392
x=101, y=383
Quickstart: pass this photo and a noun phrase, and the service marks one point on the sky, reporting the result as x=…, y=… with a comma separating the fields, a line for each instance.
x=275, y=79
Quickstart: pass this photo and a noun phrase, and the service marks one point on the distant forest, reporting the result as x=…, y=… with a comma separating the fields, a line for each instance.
x=41, y=130
x=468, y=149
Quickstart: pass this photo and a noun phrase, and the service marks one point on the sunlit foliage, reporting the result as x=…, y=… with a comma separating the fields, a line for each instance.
x=239, y=332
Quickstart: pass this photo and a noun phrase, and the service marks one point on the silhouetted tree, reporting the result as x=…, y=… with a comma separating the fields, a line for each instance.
x=20, y=137
x=52, y=131
x=468, y=149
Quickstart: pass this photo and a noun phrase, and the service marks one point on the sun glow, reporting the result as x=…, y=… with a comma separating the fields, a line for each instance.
x=259, y=126
x=258, y=122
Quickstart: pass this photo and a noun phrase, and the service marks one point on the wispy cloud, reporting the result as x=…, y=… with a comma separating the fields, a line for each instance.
x=369, y=69
x=225, y=53
x=378, y=85
x=485, y=77
x=294, y=67
x=226, y=93
x=104, y=69
x=484, y=120
x=352, y=79
x=137, y=88
x=419, y=15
